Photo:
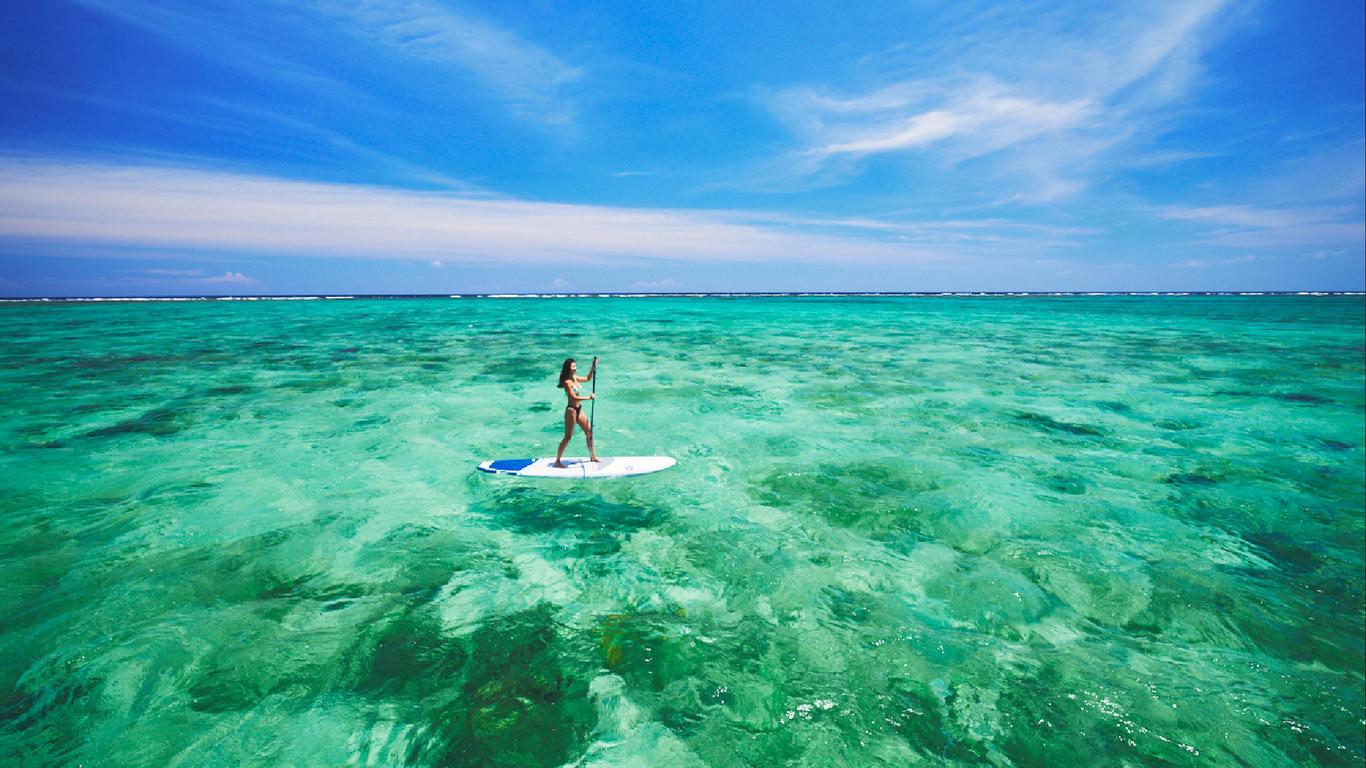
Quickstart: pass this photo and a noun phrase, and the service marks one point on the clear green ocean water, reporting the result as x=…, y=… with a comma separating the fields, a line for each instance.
x=902, y=531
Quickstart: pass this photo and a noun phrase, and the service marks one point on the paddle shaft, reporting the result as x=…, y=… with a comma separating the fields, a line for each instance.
x=593, y=404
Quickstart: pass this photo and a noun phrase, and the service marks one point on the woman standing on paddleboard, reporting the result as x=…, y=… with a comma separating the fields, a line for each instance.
x=573, y=412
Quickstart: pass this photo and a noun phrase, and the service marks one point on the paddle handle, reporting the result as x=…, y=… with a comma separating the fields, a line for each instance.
x=593, y=404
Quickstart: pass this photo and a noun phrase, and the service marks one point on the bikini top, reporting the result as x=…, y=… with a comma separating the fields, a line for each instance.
x=577, y=390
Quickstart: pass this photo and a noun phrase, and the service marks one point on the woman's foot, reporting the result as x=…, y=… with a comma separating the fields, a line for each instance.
x=559, y=464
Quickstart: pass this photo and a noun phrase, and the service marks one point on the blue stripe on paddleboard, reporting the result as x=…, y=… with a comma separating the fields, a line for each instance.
x=509, y=465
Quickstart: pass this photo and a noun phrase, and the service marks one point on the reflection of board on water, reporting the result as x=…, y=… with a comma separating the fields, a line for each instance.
x=578, y=468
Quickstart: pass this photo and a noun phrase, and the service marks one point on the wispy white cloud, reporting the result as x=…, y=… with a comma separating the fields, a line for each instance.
x=262, y=126
x=212, y=211
x=183, y=278
x=1041, y=97
x=1260, y=218
x=238, y=40
x=1336, y=174
x=528, y=78
x=961, y=235
x=1206, y=263
x=1292, y=237
x=227, y=278
x=254, y=125
x=1304, y=202
x=168, y=272
x=985, y=119
x=655, y=285
x=995, y=225
x=1243, y=226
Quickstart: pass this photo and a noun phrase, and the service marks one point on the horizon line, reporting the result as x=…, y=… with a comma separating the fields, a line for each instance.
x=659, y=294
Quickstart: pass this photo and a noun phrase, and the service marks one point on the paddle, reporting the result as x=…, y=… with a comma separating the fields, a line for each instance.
x=593, y=404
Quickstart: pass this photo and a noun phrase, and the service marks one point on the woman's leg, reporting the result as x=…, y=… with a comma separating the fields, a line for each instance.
x=568, y=433
x=588, y=434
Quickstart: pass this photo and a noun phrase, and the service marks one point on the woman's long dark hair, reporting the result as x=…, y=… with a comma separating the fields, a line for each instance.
x=564, y=372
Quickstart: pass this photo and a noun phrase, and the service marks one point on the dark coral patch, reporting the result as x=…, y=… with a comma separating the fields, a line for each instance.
x=1191, y=478
x=521, y=703
x=1050, y=424
x=158, y=422
x=1302, y=397
x=532, y=510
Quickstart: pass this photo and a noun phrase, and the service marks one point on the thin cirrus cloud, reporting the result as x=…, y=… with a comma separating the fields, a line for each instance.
x=1260, y=218
x=157, y=208
x=1208, y=263
x=1244, y=226
x=228, y=278
x=966, y=237
x=1046, y=110
x=178, y=277
x=528, y=78
x=238, y=42
x=987, y=119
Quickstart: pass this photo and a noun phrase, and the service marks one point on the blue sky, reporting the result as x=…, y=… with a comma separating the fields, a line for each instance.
x=160, y=148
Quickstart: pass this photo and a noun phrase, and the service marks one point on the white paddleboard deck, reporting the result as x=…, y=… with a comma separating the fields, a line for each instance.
x=578, y=468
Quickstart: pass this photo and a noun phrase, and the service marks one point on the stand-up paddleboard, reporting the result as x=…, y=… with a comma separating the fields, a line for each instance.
x=578, y=468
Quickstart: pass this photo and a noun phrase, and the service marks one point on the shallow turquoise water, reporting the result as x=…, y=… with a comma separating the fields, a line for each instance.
x=1028, y=531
